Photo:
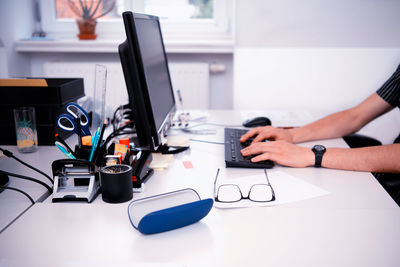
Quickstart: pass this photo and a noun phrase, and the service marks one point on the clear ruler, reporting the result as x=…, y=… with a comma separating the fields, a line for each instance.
x=99, y=106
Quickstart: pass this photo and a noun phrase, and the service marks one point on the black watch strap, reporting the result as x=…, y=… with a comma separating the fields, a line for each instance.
x=319, y=151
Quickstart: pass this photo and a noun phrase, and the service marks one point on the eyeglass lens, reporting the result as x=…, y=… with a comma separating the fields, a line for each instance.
x=229, y=193
x=232, y=193
x=260, y=192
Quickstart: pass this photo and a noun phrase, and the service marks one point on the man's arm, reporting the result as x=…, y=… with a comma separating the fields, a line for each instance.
x=284, y=152
x=336, y=125
x=342, y=123
x=371, y=159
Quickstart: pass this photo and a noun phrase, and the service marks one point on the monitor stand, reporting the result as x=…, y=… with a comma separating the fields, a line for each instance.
x=165, y=149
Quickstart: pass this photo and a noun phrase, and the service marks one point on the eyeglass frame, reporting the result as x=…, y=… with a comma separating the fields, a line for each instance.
x=240, y=191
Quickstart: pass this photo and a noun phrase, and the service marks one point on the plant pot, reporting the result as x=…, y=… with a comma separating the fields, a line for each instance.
x=87, y=29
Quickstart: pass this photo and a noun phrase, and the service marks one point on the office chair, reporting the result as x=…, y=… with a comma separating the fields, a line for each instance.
x=389, y=181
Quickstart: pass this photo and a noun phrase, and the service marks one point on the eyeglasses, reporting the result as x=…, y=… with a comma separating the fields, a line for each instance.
x=229, y=193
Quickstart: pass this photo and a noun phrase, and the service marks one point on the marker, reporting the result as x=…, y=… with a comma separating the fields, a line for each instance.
x=96, y=138
x=59, y=139
x=64, y=150
x=99, y=144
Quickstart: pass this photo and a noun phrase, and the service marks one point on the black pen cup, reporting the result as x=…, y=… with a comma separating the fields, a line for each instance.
x=116, y=183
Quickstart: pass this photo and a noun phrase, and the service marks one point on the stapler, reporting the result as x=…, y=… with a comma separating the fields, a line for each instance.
x=74, y=179
x=140, y=168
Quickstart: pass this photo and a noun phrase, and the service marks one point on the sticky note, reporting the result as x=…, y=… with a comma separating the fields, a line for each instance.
x=187, y=164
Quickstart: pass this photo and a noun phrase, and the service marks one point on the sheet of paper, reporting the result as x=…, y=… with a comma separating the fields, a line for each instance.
x=287, y=189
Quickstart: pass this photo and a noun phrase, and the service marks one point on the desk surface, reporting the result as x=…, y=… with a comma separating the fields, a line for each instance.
x=355, y=225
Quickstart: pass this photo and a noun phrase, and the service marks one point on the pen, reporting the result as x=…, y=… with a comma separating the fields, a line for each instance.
x=98, y=147
x=79, y=131
x=64, y=150
x=59, y=139
x=94, y=143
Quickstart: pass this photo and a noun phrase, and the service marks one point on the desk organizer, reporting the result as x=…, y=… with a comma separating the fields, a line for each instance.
x=48, y=102
x=168, y=211
x=74, y=180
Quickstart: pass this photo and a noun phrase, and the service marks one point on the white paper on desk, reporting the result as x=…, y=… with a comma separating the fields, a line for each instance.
x=287, y=189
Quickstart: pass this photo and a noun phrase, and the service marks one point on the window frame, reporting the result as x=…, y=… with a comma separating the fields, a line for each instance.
x=218, y=29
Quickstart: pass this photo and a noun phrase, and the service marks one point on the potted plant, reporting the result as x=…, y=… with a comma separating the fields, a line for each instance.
x=88, y=11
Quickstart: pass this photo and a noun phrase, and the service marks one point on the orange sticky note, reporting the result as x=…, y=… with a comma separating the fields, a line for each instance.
x=87, y=140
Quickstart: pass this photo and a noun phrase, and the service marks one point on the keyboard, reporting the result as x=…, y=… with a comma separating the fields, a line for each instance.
x=233, y=157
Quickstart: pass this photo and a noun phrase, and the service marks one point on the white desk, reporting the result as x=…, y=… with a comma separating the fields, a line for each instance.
x=355, y=225
x=12, y=203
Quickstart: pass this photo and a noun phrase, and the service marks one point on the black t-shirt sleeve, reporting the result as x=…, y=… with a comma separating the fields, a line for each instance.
x=390, y=90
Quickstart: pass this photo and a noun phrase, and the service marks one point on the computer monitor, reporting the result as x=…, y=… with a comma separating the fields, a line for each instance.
x=147, y=77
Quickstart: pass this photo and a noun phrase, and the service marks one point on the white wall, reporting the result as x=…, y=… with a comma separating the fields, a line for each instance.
x=317, y=23
x=16, y=20
x=318, y=80
x=325, y=79
x=3, y=61
x=259, y=23
x=318, y=55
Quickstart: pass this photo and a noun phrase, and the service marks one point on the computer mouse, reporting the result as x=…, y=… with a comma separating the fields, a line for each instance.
x=257, y=121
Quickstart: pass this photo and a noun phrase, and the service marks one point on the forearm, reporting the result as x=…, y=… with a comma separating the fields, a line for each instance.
x=333, y=126
x=371, y=159
x=342, y=123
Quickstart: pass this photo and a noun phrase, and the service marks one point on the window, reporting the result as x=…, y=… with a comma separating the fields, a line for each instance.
x=180, y=19
x=172, y=10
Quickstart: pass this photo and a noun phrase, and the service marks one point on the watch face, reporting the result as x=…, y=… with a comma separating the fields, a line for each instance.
x=319, y=148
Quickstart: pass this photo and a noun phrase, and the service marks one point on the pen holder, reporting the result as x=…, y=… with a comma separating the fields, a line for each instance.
x=82, y=152
x=168, y=211
x=116, y=183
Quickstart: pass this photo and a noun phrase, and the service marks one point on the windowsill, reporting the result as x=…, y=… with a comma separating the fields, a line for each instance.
x=111, y=46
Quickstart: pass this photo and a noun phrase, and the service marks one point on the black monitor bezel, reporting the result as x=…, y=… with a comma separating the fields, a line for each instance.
x=156, y=132
x=134, y=84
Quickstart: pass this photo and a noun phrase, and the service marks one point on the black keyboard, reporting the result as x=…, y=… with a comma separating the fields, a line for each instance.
x=233, y=157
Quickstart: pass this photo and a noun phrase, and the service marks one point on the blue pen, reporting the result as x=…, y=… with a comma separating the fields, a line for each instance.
x=94, y=143
x=64, y=150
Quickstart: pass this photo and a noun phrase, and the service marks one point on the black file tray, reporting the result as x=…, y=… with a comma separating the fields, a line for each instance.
x=48, y=102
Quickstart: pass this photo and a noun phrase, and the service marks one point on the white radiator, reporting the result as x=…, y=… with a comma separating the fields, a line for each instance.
x=192, y=79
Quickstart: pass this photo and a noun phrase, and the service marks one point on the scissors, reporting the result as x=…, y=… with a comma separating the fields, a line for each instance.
x=68, y=121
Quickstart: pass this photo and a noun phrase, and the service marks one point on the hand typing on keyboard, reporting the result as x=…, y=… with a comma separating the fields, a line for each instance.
x=268, y=133
x=280, y=150
x=246, y=143
x=233, y=156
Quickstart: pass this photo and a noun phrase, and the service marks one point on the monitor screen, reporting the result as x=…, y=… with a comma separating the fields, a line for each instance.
x=155, y=68
x=147, y=77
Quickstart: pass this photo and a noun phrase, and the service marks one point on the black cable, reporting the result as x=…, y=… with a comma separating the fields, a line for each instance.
x=214, y=124
x=27, y=178
x=209, y=142
x=18, y=190
x=111, y=136
x=199, y=132
x=10, y=155
x=114, y=118
x=118, y=132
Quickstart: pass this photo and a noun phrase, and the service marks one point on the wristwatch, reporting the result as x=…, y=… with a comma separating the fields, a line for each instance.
x=319, y=151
